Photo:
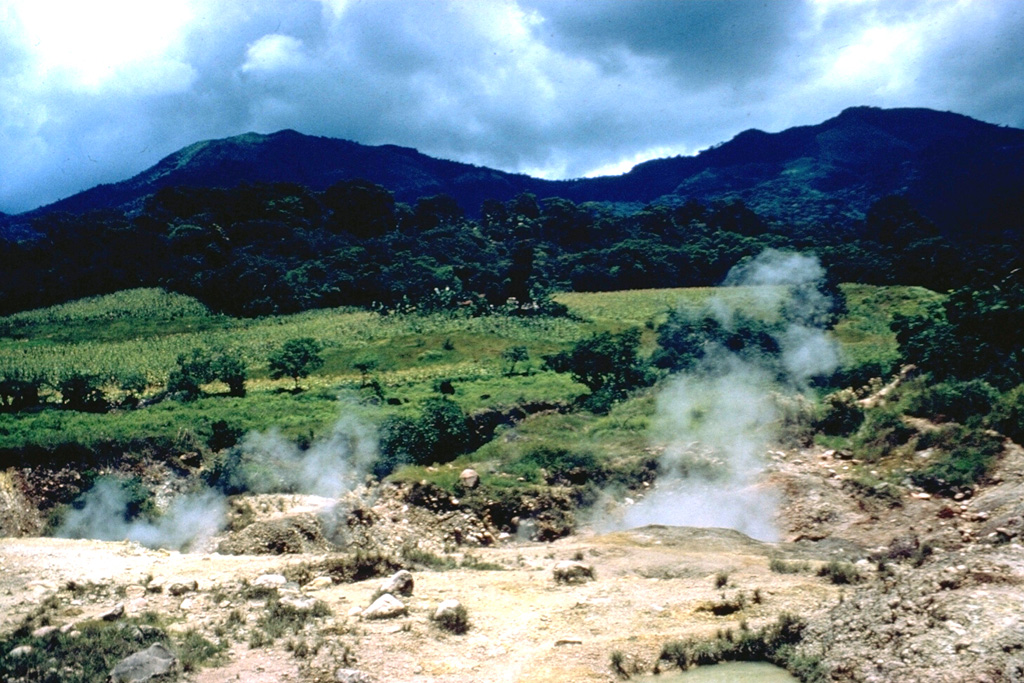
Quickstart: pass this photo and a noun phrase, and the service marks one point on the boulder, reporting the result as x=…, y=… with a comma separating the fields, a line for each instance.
x=298, y=603
x=352, y=676
x=572, y=571
x=154, y=661
x=181, y=587
x=114, y=613
x=386, y=606
x=319, y=584
x=269, y=581
x=399, y=583
x=21, y=651
x=469, y=478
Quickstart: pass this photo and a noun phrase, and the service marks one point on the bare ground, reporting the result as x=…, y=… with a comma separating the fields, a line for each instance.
x=954, y=617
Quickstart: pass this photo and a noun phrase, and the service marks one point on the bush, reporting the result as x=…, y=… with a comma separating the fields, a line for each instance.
x=19, y=391
x=561, y=466
x=454, y=620
x=965, y=456
x=960, y=401
x=82, y=392
x=882, y=431
x=840, y=573
x=841, y=414
x=1007, y=414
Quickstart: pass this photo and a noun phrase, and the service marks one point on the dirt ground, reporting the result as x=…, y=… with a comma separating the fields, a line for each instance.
x=650, y=585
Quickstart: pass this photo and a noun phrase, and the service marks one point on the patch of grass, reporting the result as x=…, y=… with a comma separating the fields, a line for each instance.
x=473, y=562
x=280, y=618
x=780, y=566
x=91, y=653
x=721, y=579
x=775, y=643
x=417, y=557
x=725, y=605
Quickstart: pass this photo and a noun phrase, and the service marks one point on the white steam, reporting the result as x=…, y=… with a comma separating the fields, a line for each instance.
x=188, y=521
x=717, y=420
x=266, y=462
x=328, y=468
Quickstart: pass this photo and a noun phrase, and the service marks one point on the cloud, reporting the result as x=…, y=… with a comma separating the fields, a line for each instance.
x=557, y=89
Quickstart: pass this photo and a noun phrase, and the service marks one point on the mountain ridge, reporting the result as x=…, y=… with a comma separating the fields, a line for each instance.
x=953, y=168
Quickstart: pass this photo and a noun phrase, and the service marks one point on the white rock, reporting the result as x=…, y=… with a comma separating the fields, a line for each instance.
x=269, y=581
x=386, y=606
x=469, y=478
x=399, y=583
x=447, y=608
x=319, y=584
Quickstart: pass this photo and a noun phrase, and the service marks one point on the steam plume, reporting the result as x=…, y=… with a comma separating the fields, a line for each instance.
x=266, y=462
x=717, y=420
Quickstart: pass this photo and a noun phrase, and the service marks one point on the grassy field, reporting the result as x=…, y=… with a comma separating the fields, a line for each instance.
x=145, y=330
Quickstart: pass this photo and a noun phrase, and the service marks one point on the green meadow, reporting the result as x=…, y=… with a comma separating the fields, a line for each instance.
x=145, y=330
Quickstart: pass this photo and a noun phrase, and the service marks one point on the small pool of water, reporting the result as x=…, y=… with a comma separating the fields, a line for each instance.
x=729, y=672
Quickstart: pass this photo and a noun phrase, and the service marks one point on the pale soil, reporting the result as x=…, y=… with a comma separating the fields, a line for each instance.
x=958, y=613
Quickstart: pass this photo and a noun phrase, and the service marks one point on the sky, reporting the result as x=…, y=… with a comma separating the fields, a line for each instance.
x=97, y=91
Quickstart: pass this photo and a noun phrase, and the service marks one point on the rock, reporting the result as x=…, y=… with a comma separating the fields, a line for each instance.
x=154, y=661
x=568, y=641
x=43, y=631
x=352, y=676
x=114, y=613
x=448, y=609
x=399, y=583
x=319, y=584
x=269, y=581
x=182, y=587
x=299, y=604
x=572, y=571
x=21, y=651
x=469, y=478
x=386, y=606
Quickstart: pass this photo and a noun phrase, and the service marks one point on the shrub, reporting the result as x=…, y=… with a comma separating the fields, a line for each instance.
x=960, y=401
x=454, y=620
x=19, y=391
x=840, y=573
x=965, y=456
x=560, y=466
x=195, y=368
x=780, y=566
x=83, y=392
x=1008, y=414
x=443, y=424
x=883, y=430
x=841, y=413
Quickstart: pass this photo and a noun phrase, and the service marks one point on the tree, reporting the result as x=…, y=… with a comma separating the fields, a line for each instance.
x=607, y=364
x=514, y=354
x=231, y=369
x=194, y=369
x=296, y=358
x=365, y=365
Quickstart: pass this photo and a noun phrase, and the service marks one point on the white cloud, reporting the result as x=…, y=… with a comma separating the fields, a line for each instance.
x=93, y=92
x=274, y=53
